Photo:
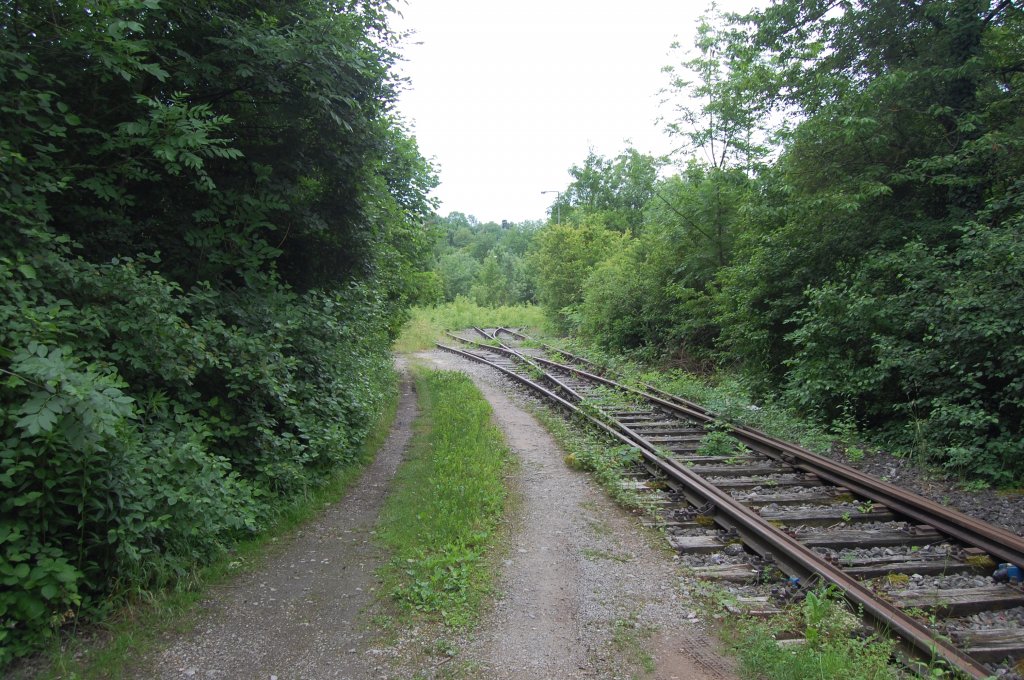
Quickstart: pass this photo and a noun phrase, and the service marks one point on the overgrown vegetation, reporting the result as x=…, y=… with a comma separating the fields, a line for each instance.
x=427, y=325
x=448, y=498
x=831, y=646
x=843, y=229
x=212, y=223
x=141, y=625
x=727, y=395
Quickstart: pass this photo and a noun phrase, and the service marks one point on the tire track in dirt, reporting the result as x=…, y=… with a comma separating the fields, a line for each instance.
x=300, y=615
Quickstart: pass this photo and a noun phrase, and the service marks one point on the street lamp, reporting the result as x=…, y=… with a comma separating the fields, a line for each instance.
x=558, y=203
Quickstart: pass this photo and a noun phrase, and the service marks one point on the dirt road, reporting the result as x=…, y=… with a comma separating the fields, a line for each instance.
x=300, y=615
x=582, y=592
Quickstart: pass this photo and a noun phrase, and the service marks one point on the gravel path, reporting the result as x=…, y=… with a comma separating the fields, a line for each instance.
x=584, y=592
x=298, y=616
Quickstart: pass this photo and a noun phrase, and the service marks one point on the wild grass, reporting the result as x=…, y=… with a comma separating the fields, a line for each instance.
x=428, y=324
x=592, y=452
x=831, y=647
x=137, y=629
x=448, y=499
x=630, y=640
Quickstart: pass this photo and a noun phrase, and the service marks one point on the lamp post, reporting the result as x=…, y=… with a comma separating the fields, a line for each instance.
x=558, y=203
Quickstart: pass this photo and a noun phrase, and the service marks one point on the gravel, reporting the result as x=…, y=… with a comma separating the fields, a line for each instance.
x=1002, y=508
x=584, y=588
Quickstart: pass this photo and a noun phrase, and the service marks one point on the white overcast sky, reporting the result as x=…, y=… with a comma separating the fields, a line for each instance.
x=506, y=96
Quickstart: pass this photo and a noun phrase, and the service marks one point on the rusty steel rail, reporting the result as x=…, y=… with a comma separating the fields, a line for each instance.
x=997, y=542
x=764, y=537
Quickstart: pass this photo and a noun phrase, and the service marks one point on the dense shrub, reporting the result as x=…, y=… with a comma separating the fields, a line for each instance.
x=933, y=335
x=211, y=229
x=563, y=258
x=144, y=428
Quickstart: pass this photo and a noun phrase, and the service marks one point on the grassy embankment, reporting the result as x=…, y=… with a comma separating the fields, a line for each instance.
x=449, y=496
x=135, y=630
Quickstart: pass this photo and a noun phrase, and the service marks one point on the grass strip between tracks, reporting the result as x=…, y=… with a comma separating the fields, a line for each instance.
x=446, y=503
x=137, y=629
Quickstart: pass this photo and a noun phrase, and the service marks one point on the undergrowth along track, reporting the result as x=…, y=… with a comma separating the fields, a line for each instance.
x=798, y=511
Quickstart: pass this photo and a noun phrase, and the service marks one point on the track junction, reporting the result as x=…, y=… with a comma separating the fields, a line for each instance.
x=815, y=520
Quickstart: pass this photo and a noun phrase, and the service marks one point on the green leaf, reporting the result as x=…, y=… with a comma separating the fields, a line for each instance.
x=25, y=499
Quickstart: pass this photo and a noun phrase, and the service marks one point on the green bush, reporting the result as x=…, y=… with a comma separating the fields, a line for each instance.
x=211, y=229
x=933, y=334
x=563, y=257
x=144, y=428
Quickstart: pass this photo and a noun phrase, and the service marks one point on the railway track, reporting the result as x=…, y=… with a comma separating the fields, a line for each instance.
x=817, y=521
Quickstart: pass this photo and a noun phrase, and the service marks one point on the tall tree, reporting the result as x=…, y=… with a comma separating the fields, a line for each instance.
x=611, y=190
x=717, y=97
x=907, y=150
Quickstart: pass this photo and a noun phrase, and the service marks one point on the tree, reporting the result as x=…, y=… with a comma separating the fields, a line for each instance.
x=613, y=300
x=906, y=153
x=717, y=98
x=458, y=271
x=492, y=287
x=613, y=191
x=563, y=258
x=212, y=226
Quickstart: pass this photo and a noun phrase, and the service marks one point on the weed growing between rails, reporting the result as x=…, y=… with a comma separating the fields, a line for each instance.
x=428, y=324
x=726, y=395
x=819, y=637
x=449, y=496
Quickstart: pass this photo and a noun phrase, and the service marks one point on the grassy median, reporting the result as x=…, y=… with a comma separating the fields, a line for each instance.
x=448, y=498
